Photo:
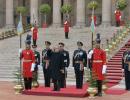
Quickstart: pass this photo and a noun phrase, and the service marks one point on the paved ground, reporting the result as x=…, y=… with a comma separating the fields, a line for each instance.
x=7, y=93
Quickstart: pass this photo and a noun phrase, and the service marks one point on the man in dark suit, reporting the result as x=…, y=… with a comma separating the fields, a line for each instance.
x=56, y=68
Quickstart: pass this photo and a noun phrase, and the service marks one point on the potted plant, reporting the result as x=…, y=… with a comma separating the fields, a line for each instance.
x=66, y=9
x=35, y=83
x=22, y=10
x=19, y=86
x=121, y=4
x=92, y=5
x=45, y=9
x=92, y=89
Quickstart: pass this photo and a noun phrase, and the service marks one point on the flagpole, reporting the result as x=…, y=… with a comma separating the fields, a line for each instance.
x=92, y=31
x=20, y=44
x=20, y=41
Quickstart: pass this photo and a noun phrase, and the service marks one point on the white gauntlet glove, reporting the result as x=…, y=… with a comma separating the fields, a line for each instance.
x=90, y=54
x=104, y=69
x=19, y=53
x=32, y=67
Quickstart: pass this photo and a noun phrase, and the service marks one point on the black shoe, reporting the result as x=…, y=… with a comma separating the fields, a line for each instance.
x=98, y=94
x=56, y=90
x=128, y=89
x=79, y=87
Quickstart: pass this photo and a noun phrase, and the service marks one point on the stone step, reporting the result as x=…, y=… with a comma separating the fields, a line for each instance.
x=113, y=68
x=113, y=81
x=115, y=74
x=115, y=58
x=114, y=71
x=114, y=63
x=114, y=77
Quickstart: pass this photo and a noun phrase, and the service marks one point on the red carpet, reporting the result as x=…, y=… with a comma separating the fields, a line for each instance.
x=115, y=91
x=70, y=91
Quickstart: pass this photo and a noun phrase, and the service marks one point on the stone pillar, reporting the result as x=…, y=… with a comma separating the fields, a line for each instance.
x=9, y=14
x=106, y=13
x=80, y=15
x=66, y=1
x=34, y=11
x=56, y=13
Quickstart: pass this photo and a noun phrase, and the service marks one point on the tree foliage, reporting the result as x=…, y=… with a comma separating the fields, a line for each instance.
x=121, y=4
x=22, y=10
x=92, y=4
x=66, y=8
x=45, y=8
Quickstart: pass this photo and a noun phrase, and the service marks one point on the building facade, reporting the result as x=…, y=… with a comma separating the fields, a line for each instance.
x=80, y=15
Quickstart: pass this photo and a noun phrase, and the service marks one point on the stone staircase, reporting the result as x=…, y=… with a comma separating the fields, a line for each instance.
x=9, y=61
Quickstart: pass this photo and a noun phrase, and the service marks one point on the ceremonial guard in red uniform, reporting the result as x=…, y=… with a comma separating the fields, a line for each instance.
x=118, y=17
x=98, y=57
x=66, y=29
x=35, y=35
x=28, y=59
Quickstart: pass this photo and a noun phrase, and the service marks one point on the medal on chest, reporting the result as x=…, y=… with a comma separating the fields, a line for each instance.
x=64, y=54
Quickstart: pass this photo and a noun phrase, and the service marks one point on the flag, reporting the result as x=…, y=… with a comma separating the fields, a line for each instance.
x=20, y=29
x=92, y=25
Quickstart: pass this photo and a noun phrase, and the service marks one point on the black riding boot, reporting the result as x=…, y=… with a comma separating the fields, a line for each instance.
x=99, y=87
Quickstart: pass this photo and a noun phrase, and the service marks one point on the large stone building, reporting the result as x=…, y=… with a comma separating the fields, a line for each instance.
x=80, y=16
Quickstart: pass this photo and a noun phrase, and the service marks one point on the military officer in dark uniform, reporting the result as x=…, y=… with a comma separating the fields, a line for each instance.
x=126, y=67
x=79, y=62
x=37, y=62
x=46, y=54
x=66, y=62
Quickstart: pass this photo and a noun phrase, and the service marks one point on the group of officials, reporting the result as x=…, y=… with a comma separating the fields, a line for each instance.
x=55, y=62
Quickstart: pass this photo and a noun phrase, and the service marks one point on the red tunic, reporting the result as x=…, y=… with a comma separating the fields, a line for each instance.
x=27, y=58
x=35, y=32
x=117, y=15
x=66, y=27
x=99, y=59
